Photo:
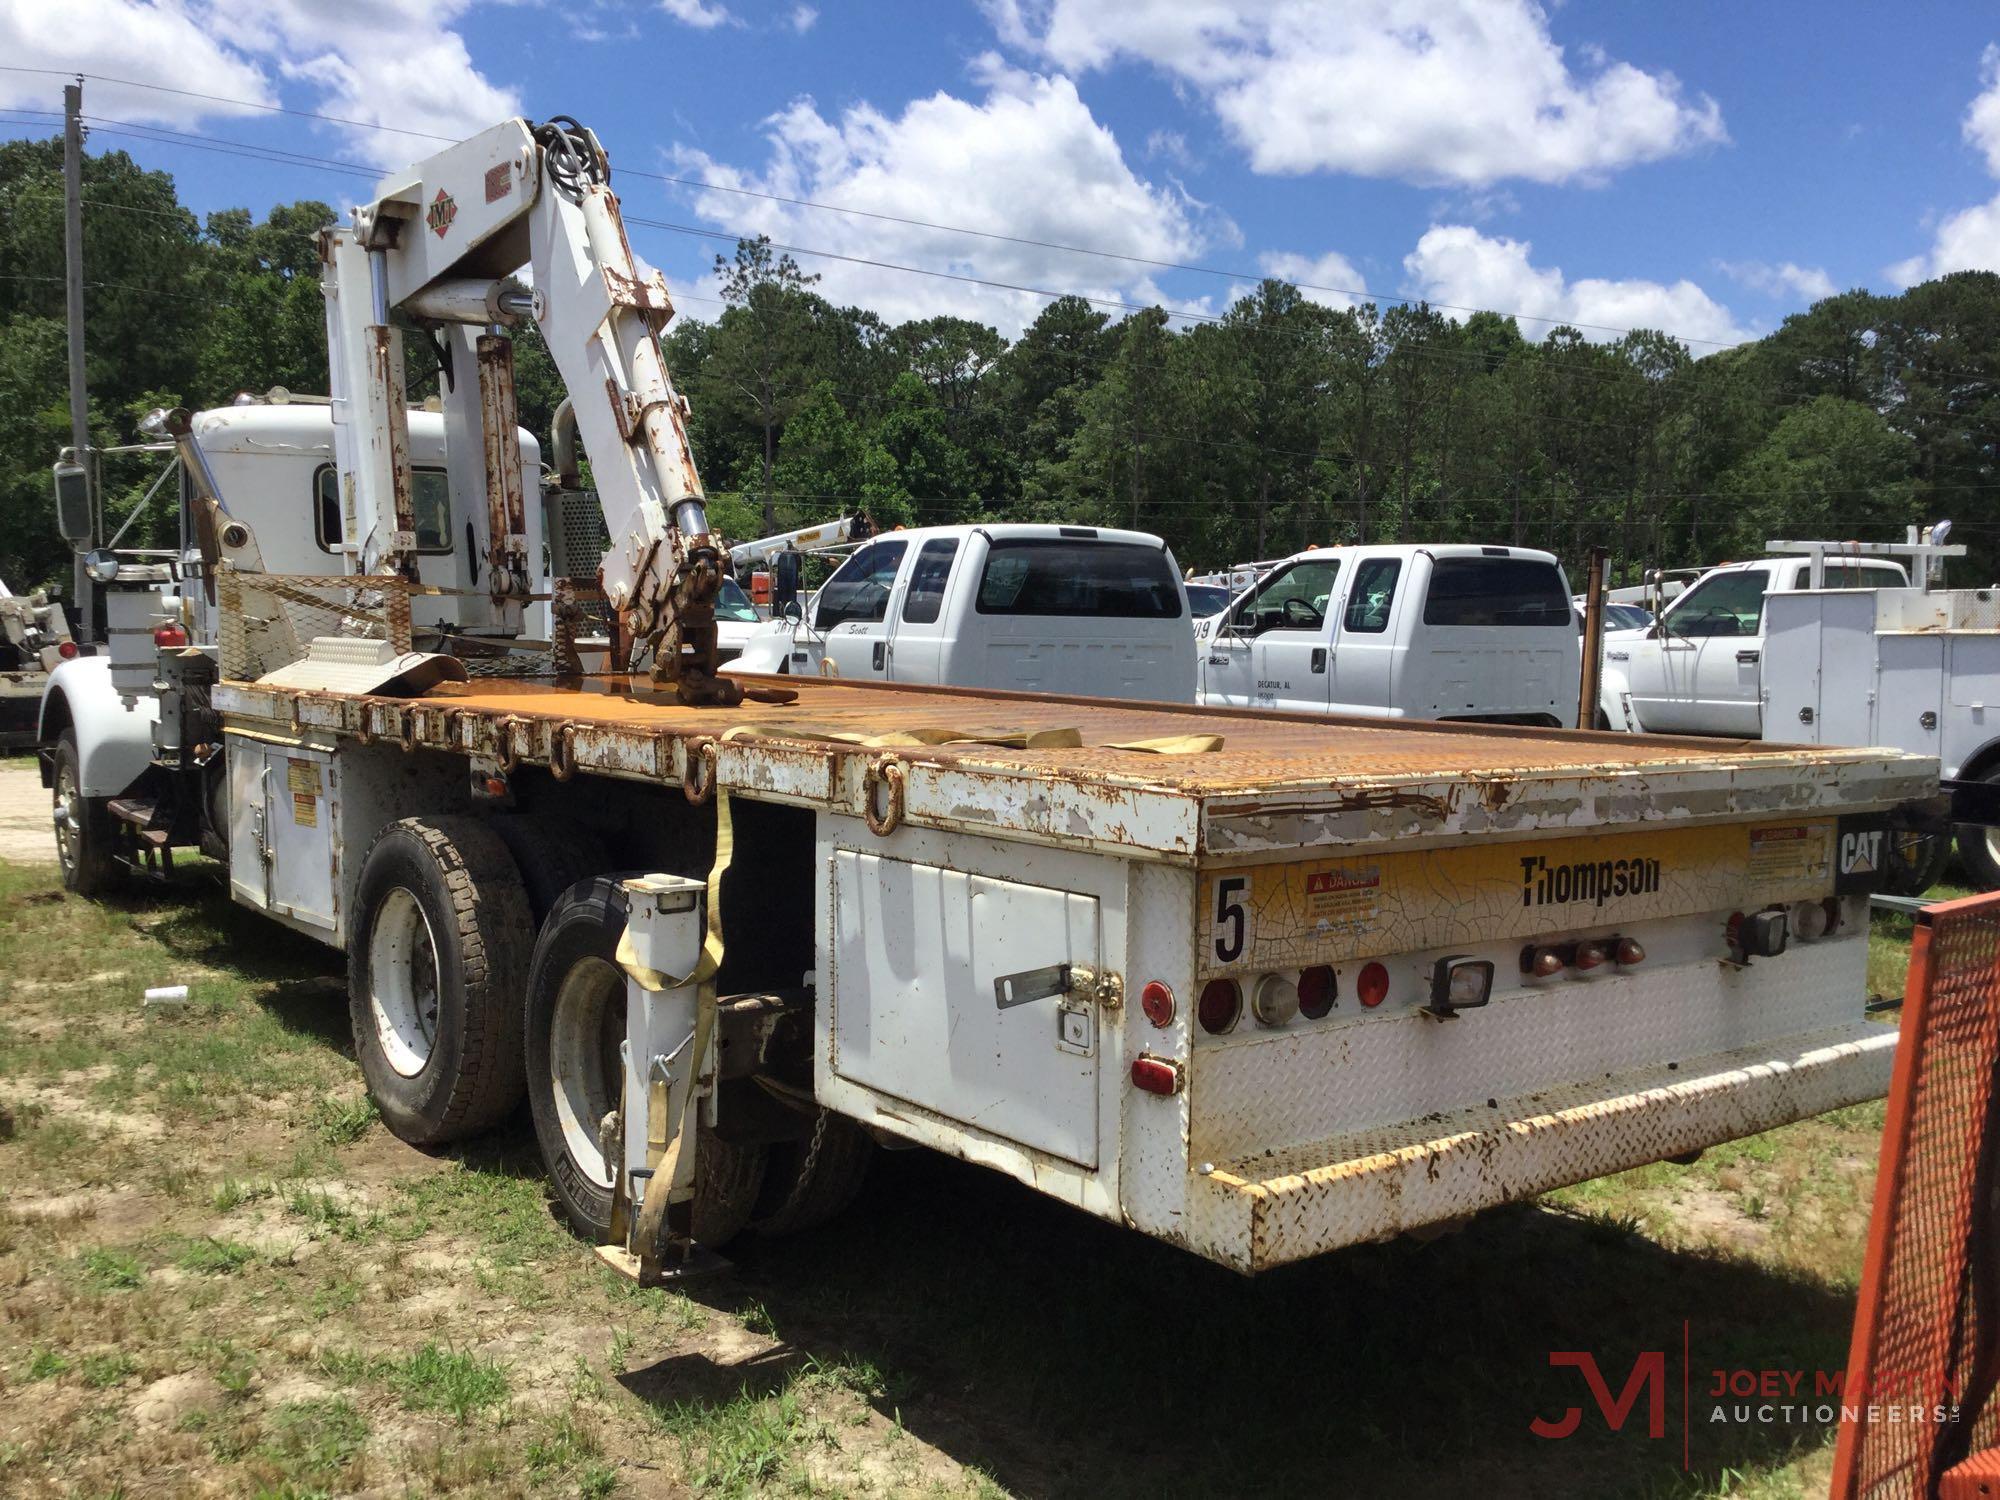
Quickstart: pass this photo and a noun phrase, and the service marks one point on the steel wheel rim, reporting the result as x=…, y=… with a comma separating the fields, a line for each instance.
x=586, y=1067
x=65, y=816
x=403, y=982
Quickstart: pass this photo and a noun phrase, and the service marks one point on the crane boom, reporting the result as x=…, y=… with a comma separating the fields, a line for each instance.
x=436, y=250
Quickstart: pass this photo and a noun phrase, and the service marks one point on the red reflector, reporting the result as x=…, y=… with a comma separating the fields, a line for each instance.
x=1591, y=956
x=1221, y=1003
x=67, y=650
x=1317, y=990
x=1372, y=985
x=169, y=635
x=1157, y=1001
x=1156, y=1075
x=1630, y=951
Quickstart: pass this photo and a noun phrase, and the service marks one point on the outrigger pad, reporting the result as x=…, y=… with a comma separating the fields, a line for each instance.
x=700, y=1261
x=349, y=664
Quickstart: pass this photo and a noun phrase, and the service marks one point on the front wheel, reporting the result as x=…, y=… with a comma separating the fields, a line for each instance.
x=575, y=1026
x=83, y=827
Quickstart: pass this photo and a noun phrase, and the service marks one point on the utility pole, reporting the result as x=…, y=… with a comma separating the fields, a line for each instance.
x=79, y=394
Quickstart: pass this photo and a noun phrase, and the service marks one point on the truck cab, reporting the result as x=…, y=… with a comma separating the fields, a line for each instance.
x=1700, y=670
x=1044, y=609
x=1444, y=632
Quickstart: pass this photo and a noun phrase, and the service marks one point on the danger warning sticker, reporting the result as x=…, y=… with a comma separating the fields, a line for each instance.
x=305, y=810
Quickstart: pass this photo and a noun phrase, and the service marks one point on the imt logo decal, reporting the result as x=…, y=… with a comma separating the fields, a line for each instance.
x=1594, y=880
x=443, y=209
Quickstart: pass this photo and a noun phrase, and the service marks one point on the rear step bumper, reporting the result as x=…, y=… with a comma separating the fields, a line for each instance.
x=1267, y=1210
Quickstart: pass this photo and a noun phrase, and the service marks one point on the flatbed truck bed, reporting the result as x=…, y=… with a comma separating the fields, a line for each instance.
x=941, y=841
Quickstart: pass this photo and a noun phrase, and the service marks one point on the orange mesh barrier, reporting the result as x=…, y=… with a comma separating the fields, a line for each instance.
x=1927, y=1328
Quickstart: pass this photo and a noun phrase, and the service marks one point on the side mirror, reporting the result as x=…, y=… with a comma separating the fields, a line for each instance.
x=101, y=565
x=73, y=518
x=794, y=611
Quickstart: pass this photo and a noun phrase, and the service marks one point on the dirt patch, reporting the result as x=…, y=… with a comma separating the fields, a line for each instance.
x=26, y=834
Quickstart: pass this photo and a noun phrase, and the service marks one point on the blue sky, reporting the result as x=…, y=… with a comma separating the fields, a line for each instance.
x=1706, y=168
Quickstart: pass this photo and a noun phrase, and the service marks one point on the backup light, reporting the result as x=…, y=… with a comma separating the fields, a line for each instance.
x=1157, y=1001
x=1459, y=983
x=1762, y=934
x=1275, y=1000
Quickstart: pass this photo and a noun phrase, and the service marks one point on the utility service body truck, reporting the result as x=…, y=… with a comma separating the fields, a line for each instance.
x=1259, y=984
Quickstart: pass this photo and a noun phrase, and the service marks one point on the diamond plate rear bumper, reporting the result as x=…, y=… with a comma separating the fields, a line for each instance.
x=1270, y=1209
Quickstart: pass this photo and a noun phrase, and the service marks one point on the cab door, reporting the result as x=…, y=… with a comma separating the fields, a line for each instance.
x=1711, y=648
x=1293, y=655
x=851, y=612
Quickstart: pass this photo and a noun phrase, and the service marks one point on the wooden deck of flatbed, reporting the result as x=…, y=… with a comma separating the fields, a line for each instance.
x=1276, y=780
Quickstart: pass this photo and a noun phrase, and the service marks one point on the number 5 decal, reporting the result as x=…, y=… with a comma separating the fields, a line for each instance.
x=1232, y=919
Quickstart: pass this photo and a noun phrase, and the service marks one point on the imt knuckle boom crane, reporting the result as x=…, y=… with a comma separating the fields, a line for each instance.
x=437, y=250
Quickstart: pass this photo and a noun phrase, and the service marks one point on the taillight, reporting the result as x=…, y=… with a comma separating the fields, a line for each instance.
x=1809, y=921
x=1157, y=1001
x=1317, y=991
x=1371, y=986
x=1591, y=955
x=169, y=635
x=67, y=650
x=1275, y=1001
x=1156, y=1075
x=1630, y=951
x=1220, y=1005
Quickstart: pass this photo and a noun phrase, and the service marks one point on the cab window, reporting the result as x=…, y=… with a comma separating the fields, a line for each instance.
x=1293, y=598
x=1373, y=595
x=925, y=597
x=430, y=500
x=1861, y=576
x=860, y=590
x=1722, y=604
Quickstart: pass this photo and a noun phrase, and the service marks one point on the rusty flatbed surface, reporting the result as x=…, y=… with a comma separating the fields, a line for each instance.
x=1278, y=782
x=1258, y=750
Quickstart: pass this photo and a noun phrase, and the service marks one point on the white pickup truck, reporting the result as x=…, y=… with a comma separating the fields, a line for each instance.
x=1444, y=632
x=1047, y=609
x=1701, y=669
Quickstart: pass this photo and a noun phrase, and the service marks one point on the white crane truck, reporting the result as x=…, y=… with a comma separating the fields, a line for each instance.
x=1258, y=984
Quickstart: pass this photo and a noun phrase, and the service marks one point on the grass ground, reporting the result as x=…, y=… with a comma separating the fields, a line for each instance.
x=220, y=1275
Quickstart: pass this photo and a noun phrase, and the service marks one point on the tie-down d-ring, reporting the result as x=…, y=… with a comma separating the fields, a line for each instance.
x=562, y=753
x=891, y=775
x=698, y=785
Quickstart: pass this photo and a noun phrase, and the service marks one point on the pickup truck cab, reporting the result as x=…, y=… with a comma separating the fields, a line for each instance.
x=1700, y=670
x=1446, y=632
x=1043, y=609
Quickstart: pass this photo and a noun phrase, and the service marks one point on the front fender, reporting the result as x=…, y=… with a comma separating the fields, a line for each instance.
x=770, y=649
x=114, y=735
x=1614, y=700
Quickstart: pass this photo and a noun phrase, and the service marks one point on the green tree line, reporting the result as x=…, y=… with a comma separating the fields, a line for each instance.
x=1280, y=423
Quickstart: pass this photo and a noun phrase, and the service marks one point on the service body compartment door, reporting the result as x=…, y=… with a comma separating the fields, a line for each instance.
x=915, y=1015
x=282, y=811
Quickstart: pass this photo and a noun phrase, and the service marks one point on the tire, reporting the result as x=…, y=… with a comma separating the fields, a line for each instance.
x=83, y=827
x=1915, y=861
x=551, y=857
x=1979, y=848
x=795, y=1198
x=575, y=1022
x=435, y=966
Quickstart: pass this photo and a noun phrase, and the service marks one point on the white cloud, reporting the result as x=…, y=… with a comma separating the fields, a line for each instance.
x=1782, y=280
x=397, y=63
x=697, y=13
x=802, y=17
x=1330, y=278
x=1458, y=92
x=161, y=44
x=1027, y=160
x=1455, y=266
x=1968, y=240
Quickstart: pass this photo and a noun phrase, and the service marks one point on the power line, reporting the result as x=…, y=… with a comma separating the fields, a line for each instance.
x=1360, y=293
